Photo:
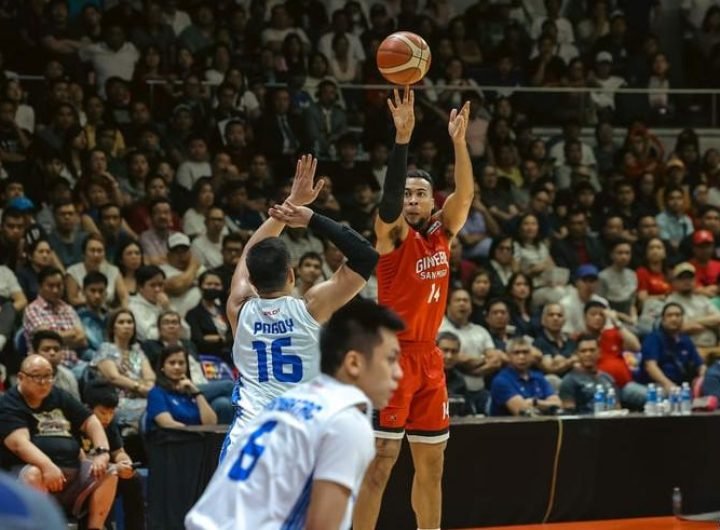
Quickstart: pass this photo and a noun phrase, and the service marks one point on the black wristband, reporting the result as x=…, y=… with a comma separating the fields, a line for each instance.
x=361, y=256
x=195, y=394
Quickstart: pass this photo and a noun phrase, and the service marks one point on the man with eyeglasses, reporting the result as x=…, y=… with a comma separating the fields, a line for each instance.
x=518, y=390
x=48, y=344
x=40, y=428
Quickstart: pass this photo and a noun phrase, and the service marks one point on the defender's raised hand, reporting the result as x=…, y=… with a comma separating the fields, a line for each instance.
x=304, y=190
x=403, y=113
x=290, y=214
x=457, y=126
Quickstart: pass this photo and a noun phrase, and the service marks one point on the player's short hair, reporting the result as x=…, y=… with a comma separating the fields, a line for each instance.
x=267, y=263
x=421, y=174
x=355, y=326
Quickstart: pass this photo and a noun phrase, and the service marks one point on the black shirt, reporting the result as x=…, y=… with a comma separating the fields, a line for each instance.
x=115, y=441
x=54, y=426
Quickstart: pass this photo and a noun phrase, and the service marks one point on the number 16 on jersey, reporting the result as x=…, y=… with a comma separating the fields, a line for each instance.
x=279, y=360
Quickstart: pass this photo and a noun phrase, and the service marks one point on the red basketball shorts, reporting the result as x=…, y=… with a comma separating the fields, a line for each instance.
x=419, y=406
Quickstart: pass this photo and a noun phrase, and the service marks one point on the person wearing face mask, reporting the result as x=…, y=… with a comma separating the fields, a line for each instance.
x=209, y=328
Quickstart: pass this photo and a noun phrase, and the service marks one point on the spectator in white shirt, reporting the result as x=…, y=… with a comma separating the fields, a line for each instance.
x=564, y=26
x=281, y=24
x=197, y=166
x=181, y=271
x=113, y=57
x=601, y=77
x=150, y=301
x=207, y=247
x=341, y=25
x=477, y=344
x=178, y=20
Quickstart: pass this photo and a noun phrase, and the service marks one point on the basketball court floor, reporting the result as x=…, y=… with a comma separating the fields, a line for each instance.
x=653, y=523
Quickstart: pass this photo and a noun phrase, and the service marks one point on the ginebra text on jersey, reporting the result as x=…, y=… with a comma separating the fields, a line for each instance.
x=439, y=259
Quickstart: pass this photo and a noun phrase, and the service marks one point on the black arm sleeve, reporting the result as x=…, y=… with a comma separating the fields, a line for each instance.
x=361, y=256
x=391, y=203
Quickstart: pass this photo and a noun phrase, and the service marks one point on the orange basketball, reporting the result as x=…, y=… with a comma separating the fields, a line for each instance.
x=403, y=58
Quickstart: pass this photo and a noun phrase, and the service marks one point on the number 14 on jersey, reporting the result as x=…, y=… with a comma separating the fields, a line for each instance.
x=434, y=294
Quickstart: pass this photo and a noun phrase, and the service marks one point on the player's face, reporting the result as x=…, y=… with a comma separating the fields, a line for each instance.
x=380, y=375
x=418, y=203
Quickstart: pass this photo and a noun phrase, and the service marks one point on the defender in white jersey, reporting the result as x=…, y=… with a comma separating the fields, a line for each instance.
x=275, y=346
x=299, y=463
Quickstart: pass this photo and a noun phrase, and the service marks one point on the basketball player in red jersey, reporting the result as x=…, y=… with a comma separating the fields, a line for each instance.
x=413, y=278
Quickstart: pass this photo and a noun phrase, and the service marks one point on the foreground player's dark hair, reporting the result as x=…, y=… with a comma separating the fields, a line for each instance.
x=267, y=264
x=355, y=326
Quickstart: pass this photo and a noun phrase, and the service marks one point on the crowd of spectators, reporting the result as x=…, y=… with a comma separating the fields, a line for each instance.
x=158, y=133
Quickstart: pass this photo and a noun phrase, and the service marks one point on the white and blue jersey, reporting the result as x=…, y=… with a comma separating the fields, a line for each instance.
x=275, y=349
x=313, y=432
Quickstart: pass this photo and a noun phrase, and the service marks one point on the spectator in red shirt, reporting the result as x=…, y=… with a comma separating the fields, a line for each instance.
x=613, y=340
x=652, y=276
x=707, y=269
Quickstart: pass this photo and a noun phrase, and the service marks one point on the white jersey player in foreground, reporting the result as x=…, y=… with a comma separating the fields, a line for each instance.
x=299, y=463
x=276, y=334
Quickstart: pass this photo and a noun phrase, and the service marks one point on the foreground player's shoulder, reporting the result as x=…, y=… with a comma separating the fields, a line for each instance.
x=347, y=448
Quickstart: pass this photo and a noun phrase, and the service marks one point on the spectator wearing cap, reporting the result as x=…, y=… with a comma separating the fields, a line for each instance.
x=154, y=240
x=181, y=273
x=601, y=76
x=573, y=303
x=325, y=119
x=579, y=247
x=669, y=355
x=615, y=42
x=701, y=317
x=708, y=220
x=673, y=223
x=707, y=269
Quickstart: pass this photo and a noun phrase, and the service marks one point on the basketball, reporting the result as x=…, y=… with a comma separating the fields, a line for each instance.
x=403, y=58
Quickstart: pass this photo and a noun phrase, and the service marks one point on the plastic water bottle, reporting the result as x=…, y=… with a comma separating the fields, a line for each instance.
x=685, y=399
x=675, y=401
x=610, y=399
x=651, y=403
x=599, y=401
x=677, y=501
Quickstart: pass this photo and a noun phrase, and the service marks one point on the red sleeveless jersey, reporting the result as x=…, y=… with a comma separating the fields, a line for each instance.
x=413, y=280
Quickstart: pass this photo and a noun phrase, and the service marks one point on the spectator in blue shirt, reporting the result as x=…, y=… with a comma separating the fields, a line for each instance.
x=673, y=223
x=711, y=381
x=93, y=314
x=175, y=401
x=669, y=355
x=517, y=389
